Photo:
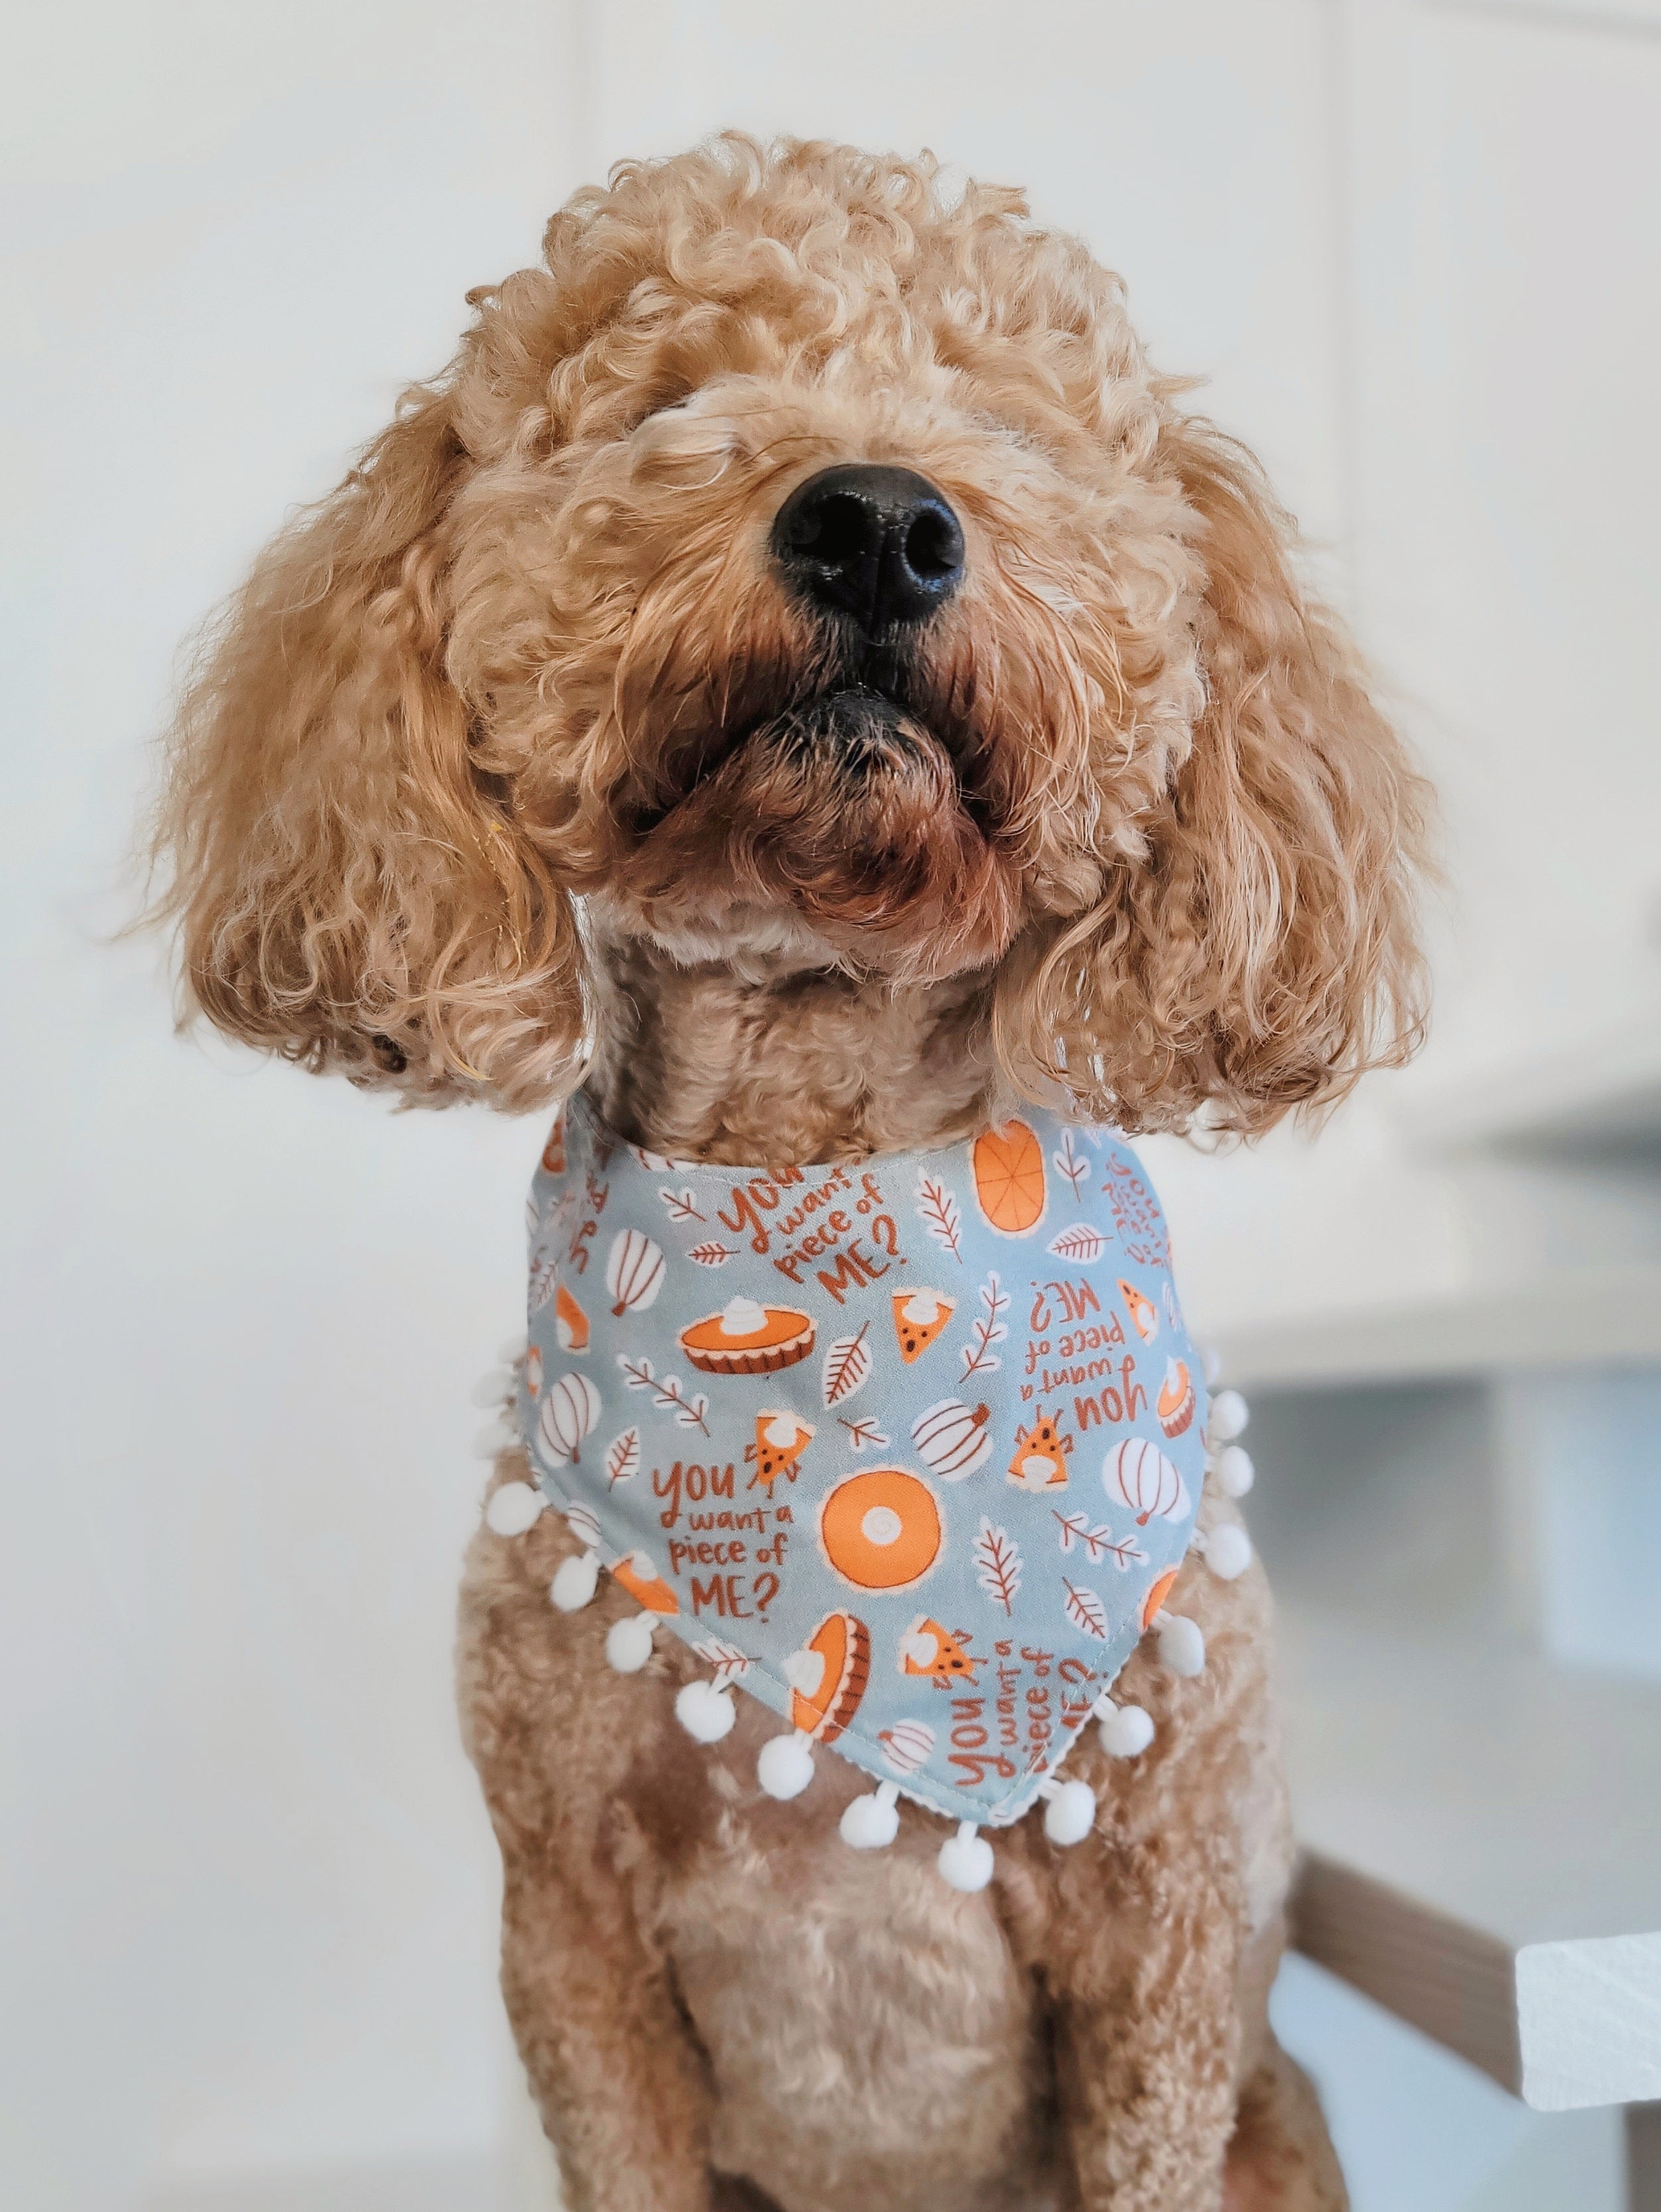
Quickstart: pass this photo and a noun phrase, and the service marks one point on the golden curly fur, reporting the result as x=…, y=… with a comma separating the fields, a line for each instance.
x=516, y=763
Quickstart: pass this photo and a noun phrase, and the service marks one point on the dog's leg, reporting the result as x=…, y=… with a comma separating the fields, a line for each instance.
x=616, y=2076
x=1280, y=2158
x=1146, y=2040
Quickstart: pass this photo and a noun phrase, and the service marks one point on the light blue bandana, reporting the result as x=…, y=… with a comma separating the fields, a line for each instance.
x=910, y=1451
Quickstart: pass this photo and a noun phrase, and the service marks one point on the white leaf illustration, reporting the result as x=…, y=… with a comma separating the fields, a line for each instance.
x=1081, y=1244
x=1085, y=1610
x=683, y=1205
x=863, y=1434
x=1071, y=1162
x=728, y=1661
x=847, y=1366
x=544, y=1281
x=978, y=1358
x=667, y=1394
x=622, y=1457
x=1099, y=1542
x=938, y=1210
x=997, y=1563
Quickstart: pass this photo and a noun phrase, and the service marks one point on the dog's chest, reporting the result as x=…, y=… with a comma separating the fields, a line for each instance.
x=873, y=2042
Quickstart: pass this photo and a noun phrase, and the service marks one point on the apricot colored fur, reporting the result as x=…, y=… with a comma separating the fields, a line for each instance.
x=502, y=774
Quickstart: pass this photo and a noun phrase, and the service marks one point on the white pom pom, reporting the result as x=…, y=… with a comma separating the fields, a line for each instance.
x=574, y=1584
x=1070, y=1814
x=1126, y=1731
x=497, y=1388
x=628, y=1643
x=1234, y=1472
x=705, y=1712
x=510, y=1350
x=1228, y=1550
x=513, y=1509
x=785, y=1765
x=966, y=1860
x=497, y=1438
x=1210, y=1361
x=1181, y=1644
x=871, y=1823
x=1227, y=1417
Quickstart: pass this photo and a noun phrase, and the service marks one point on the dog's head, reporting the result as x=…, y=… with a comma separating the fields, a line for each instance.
x=800, y=568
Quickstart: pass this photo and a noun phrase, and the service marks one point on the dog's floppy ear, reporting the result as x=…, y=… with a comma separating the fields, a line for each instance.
x=1255, y=950
x=353, y=890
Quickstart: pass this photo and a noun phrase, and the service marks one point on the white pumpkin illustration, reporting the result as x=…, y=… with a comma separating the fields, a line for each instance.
x=633, y=1273
x=1137, y=1473
x=570, y=1406
x=952, y=1439
x=906, y=1746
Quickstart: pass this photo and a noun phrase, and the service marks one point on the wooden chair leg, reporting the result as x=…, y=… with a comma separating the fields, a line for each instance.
x=1644, y=2158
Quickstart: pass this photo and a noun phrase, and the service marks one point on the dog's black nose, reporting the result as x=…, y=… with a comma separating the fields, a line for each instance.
x=880, y=545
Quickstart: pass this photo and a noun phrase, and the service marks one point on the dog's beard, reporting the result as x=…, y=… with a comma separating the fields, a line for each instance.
x=846, y=809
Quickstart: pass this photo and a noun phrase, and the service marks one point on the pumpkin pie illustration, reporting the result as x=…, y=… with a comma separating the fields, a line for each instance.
x=881, y=1530
x=570, y=1322
x=1143, y=1318
x=828, y=1676
x=636, y=1574
x=920, y=1316
x=1175, y=1403
x=1159, y=1590
x=1008, y=1177
x=1041, y=1455
x=928, y=1649
x=780, y=1440
x=748, y=1339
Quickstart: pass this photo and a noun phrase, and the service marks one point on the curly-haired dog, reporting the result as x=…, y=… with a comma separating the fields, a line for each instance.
x=541, y=752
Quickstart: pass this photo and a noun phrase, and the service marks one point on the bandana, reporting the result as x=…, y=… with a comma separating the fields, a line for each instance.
x=909, y=1449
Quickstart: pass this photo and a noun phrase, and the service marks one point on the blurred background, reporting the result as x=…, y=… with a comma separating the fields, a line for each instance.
x=249, y=1889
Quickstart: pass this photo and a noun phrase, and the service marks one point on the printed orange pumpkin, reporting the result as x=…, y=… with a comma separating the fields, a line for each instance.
x=1008, y=1177
x=881, y=1529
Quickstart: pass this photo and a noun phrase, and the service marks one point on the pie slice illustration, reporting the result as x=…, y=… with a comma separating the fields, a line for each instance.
x=570, y=1322
x=636, y=1574
x=1175, y=1404
x=826, y=1690
x=748, y=1339
x=1158, y=1591
x=928, y=1649
x=780, y=1440
x=1040, y=1461
x=920, y=1318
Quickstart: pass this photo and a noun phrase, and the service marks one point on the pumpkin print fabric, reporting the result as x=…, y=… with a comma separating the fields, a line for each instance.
x=908, y=1450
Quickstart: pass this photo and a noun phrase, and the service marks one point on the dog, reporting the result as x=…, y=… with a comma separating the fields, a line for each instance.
x=802, y=675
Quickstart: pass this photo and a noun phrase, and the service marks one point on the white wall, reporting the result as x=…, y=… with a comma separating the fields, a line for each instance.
x=249, y=1893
